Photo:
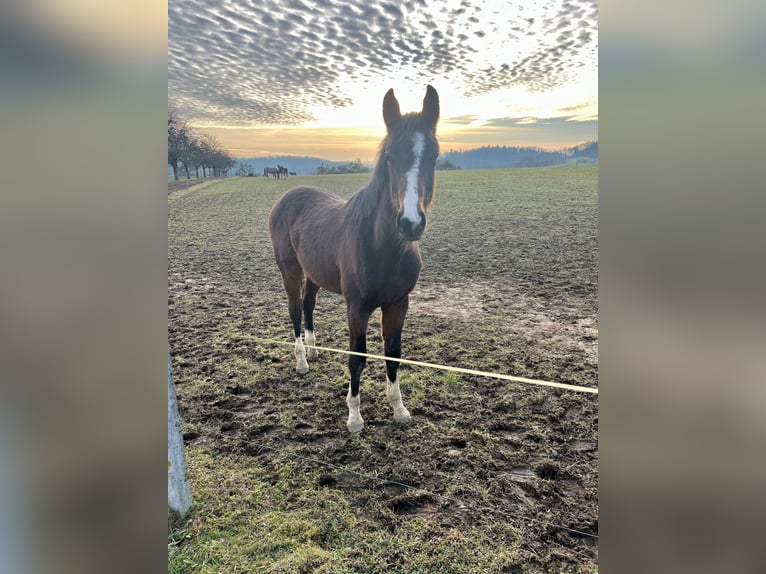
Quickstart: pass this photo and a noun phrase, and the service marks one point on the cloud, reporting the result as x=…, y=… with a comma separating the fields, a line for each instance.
x=268, y=62
x=461, y=120
x=567, y=121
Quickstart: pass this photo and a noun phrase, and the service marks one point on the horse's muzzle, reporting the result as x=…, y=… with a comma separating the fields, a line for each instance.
x=409, y=230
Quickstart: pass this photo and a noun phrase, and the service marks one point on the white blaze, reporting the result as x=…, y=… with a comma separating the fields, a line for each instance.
x=411, y=196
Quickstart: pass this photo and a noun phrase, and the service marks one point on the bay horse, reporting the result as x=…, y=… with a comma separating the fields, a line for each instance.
x=365, y=249
x=282, y=170
x=271, y=171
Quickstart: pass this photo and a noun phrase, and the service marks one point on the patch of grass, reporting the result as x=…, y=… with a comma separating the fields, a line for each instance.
x=293, y=524
x=510, y=271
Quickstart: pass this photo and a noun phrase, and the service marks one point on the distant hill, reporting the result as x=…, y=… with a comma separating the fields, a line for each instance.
x=487, y=157
x=301, y=165
x=498, y=156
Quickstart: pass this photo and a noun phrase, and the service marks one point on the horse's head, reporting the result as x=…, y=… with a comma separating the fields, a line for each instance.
x=410, y=151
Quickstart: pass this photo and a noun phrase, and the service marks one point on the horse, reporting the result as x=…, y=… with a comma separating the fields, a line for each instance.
x=365, y=249
x=293, y=173
x=282, y=170
x=271, y=170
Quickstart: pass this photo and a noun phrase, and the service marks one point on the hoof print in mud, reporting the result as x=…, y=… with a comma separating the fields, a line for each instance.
x=548, y=470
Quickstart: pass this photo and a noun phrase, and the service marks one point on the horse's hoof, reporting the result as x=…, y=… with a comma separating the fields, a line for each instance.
x=403, y=418
x=302, y=369
x=401, y=414
x=312, y=354
x=355, y=426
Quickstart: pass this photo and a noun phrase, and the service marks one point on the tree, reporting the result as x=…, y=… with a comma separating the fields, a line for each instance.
x=446, y=164
x=355, y=166
x=244, y=169
x=199, y=154
x=179, y=142
x=189, y=150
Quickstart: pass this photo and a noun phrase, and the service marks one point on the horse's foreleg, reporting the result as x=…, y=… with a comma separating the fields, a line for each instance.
x=357, y=324
x=309, y=302
x=392, y=323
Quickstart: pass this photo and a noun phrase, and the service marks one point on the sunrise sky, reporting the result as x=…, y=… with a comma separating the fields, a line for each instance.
x=307, y=77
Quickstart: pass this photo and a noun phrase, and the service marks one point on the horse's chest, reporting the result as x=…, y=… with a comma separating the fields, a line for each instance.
x=392, y=280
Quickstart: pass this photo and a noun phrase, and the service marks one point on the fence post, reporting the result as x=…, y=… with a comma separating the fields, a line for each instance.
x=179, y=493
x=15, y=523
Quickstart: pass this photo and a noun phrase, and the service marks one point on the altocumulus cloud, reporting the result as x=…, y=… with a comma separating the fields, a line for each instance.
x=268, y=62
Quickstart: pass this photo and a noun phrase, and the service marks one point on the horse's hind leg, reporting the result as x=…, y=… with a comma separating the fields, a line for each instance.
x=392, y=322
x=292, y=279
x=309, y=302
x=358, y=318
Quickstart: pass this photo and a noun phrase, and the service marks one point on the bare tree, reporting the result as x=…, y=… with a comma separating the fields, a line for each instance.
x=189, y=150
x=179, y=139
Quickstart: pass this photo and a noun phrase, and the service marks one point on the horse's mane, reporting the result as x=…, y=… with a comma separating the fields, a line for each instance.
x=364, y=202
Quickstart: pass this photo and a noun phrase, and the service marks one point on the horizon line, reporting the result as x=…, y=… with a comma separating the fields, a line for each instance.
x=451, y=150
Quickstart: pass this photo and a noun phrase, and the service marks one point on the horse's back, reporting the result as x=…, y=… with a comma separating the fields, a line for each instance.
x=301, y=201
x=305, y=226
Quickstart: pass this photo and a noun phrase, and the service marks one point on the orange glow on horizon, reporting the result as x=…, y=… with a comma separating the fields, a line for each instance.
x=350, y=143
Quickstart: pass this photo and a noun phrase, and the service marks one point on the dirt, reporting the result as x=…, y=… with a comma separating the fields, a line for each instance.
x=478, y=450
x=183, y=183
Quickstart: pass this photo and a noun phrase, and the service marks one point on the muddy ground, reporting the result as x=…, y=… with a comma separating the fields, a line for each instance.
x=509, y=285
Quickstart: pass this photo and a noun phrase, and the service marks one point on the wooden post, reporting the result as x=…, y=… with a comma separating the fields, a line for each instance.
x=15, y=521
x=179, y=493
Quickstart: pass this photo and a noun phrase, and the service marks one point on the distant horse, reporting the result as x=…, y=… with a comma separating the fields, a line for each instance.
x=282, y=170
x=293, y=173
x=365, y=248
x=271, y=171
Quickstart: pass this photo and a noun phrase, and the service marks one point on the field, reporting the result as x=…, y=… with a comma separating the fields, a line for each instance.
x=491, y=476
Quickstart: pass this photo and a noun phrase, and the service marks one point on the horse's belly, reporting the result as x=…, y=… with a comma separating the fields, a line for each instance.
x=326, y=275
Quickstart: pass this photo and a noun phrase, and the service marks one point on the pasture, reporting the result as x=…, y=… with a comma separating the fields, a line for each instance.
x=487, y=473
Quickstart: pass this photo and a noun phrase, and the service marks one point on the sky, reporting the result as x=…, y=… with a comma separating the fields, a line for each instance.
x=307, y=77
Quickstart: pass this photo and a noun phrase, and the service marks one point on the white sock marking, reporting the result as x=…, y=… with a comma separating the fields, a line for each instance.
x=401, y=414
x=311, y=340
x=411, y=195
x=355, y=422
x=300, y=357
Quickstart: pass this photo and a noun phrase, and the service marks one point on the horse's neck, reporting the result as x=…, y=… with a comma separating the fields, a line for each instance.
x=379, y=214
x=374, y=211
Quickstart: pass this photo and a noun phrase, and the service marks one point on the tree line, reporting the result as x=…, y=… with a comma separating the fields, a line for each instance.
x=502, y=156
x=191, y=151
x=355, y=166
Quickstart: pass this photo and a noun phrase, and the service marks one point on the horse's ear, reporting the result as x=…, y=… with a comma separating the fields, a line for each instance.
x=391, y=113
x=430, y=111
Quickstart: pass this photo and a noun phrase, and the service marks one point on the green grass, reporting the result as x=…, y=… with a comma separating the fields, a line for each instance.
x=515, y=248
x=291, y=524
